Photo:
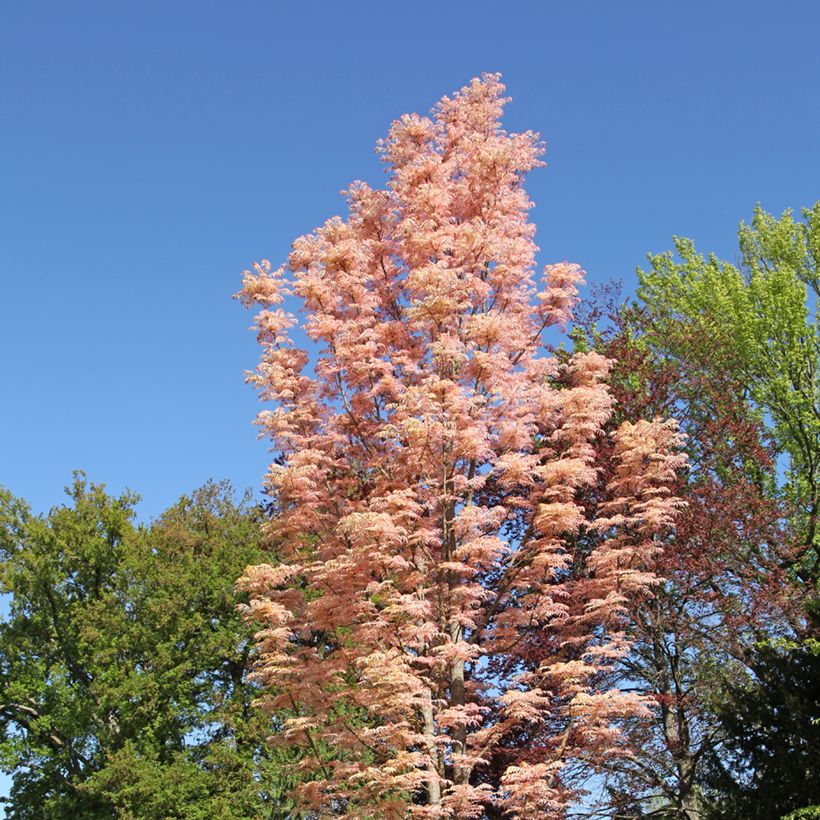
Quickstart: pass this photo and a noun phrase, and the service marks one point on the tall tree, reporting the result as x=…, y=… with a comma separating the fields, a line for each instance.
x=447, y=608
x=734, y=349
x=724, y=575
x=122, y=658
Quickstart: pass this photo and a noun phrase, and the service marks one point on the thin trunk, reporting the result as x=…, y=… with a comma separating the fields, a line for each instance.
x=458, y=734
x=461, y=773
x=433, y=783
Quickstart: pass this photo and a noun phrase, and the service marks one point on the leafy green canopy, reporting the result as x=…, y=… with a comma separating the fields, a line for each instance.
x=761, y=321
x=122, y=660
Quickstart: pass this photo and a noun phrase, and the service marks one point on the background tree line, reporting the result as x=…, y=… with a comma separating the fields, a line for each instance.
x=122, y=657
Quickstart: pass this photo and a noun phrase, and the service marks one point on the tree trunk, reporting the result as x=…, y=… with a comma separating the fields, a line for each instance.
x=433, y=784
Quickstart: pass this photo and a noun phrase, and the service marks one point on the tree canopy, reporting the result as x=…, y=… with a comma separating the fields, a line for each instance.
x=122, y=660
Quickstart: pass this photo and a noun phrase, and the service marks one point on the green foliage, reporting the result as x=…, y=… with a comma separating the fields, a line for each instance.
x=122, y=661
x=770, y=763
x=808, y=813
x=761, y=324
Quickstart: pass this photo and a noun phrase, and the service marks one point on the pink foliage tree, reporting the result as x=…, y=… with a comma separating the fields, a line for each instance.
x=460, y=543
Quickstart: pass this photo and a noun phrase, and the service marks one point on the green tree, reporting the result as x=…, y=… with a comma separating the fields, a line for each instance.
x=122, y=659
x=772, y=764
x=761, y=323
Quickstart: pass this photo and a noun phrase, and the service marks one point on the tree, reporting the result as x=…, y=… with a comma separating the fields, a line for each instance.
x=773, y=722
x=734, y=350
x=122, y=659
x=447, y=609
x=761, y=321
x=724, y=582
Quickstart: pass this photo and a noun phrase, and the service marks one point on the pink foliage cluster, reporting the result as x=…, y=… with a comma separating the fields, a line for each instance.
x=449, y=601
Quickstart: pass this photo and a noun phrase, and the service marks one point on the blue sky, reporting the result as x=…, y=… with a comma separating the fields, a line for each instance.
x=151, y=151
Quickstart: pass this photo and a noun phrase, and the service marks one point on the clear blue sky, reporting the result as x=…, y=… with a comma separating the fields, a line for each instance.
x=151, y=151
